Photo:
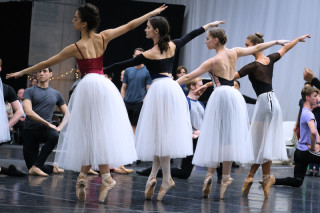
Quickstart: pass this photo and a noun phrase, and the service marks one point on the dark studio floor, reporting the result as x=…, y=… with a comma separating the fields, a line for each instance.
x=56, y=193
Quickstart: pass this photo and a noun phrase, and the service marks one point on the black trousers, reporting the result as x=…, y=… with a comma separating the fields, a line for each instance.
x=302, y=160
x=32, y=140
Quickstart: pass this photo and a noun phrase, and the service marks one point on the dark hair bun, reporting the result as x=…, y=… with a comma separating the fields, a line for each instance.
x=260, y=35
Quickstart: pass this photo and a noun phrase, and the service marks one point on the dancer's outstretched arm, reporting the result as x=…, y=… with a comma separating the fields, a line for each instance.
x=288, y=46
x=244, y=51
x=114, y=33
x=204, y=67
x=188, y=37
x=71, y=51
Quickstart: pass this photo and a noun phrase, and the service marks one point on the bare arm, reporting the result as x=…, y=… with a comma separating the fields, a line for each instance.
x=213, y=24
x=288, y=46
x=241, y=51
x=114, y=33
x=123, y=90
x=18, y=113
x=64, y=110
x=66, y=53
x=27, y=106
x=204, y=67
x=313, y=133
x=236, y=75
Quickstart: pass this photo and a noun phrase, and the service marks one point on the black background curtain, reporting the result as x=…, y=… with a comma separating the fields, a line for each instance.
x=15, y=22
x=116, y=13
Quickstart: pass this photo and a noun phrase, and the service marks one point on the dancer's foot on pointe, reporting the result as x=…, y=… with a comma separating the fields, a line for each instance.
x=226, y=181
x=164, y=189
x=246, y=186
x=207, y=184
x=150, y=187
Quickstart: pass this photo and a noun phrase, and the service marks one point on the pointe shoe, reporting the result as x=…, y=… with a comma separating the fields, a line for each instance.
x=150, y=187
x=36, y=171
x=80, y=188
x=92, y=172
x=107, y=184
x=163, y=191
x=267, y=185
x=223, y=187
x=57, y=170
x=246, y=186
x=206, y=189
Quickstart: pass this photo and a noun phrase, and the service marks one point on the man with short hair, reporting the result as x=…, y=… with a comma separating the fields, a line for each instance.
x=308, y=147
x=135, y=84
x=38, y=103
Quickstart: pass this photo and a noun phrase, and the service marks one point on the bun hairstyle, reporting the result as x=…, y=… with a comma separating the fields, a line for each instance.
x=256, y=38
x=220, y=34
x=90, y=14
x=161, y=23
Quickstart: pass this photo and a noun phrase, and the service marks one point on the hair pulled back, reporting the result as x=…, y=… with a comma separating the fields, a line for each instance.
x=220, y=34
x=161, y=23
x=90, y=14
x=256, y=38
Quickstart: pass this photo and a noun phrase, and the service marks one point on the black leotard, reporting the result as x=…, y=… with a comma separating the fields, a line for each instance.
x=260, y=75
x=153, y=65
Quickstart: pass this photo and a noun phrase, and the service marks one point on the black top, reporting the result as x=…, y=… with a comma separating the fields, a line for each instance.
x=9, y=94
x=249, y=100
x=260, y=75
x=315, y=82
x=153, y=65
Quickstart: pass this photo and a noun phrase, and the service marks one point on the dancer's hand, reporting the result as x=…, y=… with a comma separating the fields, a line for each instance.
x=308, y=74
x=213, y=24
x=302, y=38
x=201, y=90
x=216, y=23
x=14, y=75
x=283, y=42
x=159, y=10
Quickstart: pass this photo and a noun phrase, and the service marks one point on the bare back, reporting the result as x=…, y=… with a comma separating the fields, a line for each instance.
x=91, y=47
x=224, y=64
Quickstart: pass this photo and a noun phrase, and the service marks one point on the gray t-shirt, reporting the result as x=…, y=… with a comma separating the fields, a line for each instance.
x=43, y=103
x=136, y=80
x=196, y=113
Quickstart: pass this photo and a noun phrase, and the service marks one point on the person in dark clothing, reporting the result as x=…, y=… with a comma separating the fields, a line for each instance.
x=8, y=94
x=38, y=103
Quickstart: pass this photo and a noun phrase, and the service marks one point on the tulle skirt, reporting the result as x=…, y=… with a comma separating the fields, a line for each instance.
x=4, y=124
x=164, y=127
x=224, y=134
x=267, y=130
x=98, y=129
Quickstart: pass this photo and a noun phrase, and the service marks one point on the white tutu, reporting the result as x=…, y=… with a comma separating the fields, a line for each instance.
x=164, y=127
x=225, y=132
x=98, y=131
x=4, y=124
x=267, y=131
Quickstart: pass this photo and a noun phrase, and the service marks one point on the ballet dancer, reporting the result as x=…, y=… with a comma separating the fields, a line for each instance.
x=266, y=125
x=98, y=132
x=224, y=135
x=164, y=130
